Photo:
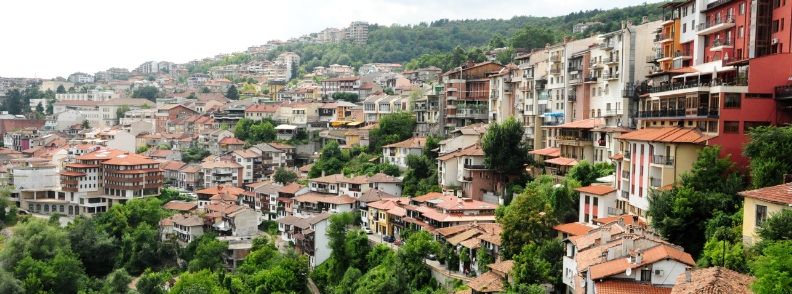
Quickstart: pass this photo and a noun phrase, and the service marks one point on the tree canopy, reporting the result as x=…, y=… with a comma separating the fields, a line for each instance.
x=392, y=128
x=505, y=150
x=768, y=150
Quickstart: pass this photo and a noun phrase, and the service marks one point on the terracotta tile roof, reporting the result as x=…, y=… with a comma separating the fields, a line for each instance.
x=246, y=153
x=383, y=178
x=627, y=219
x=280, y=146
x=505, y=266
x=597, y=189
x=129, y=159
x=231, y=141
x=628, y=287
x=649, y=256
x=562, y=161
x=428, y=197
x=617, y=156
x=666, y=135
x=173, y=165
x=72, y=173
x=472, y=150
x=331, y=179
x=552, y=152
x=779, y=194
x=306, y=168
x=487, y=282
x=220, y=189
x=583, y=124
x=101, y=154
x=187, y=220
x=573, y=229
x=262, y=108
x=372, y=195
x=414, y=142
x=190, y=168
x=713, y=280
x=180, y=205
x=291, y=188
x=313, y=197
x=455, y=203
x=220, y=164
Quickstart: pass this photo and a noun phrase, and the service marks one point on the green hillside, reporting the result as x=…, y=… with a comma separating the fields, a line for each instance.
x=432, y=43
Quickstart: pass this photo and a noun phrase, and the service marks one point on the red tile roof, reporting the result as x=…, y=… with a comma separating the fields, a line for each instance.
x=472, y=150
x=649, y=256
x=583, y=124
x=562, y=161
x=129, y=159
x=627, y=219
x=180, y=205
x=573, y=229
x=779, y=194
x=552, y=152
x=628, y=287
x=488, y=282
x=596, y=189
x=713, y=280
x=262, y=108
x=413, y=143
x=231, y=141
x=666, y=135
x=291, y=188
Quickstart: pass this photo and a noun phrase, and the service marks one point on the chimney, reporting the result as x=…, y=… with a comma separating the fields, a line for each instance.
x=688, y=276
x=604, y=237
x=627, y=245
x=638, y=257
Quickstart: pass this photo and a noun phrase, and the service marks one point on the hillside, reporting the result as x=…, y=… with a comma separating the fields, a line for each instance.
x=436, y=40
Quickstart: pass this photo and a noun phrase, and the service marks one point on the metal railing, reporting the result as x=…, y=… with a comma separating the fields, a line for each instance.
x=663, y=160
x=625, y=174
x=662, y=113
x=717, y=21
x=590, y=79
x=719, y=42
x=615, y=211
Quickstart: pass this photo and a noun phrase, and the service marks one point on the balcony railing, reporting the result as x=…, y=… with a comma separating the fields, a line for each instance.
x=783, y=92
x=717, y=21
x=719, y=43
x=663, y=160
x=662, y=113
x=682, y=54
x=572, y=97
x=590, y=79
x=678, y=86
x=662, y=36
x=613, y=112
x=615, y=211
x=625, y=174
x=575, y=67
x=655, y=182
x=475, y=166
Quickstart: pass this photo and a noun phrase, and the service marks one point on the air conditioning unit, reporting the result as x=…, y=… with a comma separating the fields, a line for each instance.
x=658, y=272
x=774, y=41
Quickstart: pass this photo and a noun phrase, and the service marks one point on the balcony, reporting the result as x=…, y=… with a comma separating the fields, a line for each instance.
x=625, y=195
x=575, y=67
x=571, y=97
x=590, y=79
x=555, y=70
x=627, y=155
x=555, y=58
x=475, y=166
x=615, y=211
x=610, y=76
x=663, y=160
x=613, y=112
x=608, y=45
x=716, y=25
x=680, y=86
x=683, y=55
x=719, y=45
x=708, y=112
x=663, y=38
x=625, y=174
x=655, y=182
x=783, y=93
x=662, y=113
x=716, y=4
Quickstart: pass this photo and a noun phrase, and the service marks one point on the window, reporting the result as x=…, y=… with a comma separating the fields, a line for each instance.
x=761, y=214
x=684, y=28
x=646, y=274
x=741, y=32
x=732, y=100
x=731, y=127
x=742, y=8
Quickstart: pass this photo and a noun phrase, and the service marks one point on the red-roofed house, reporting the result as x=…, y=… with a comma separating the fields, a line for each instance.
x=760, y=204
x=653, y=158
x=396, y=153
x=465, y=169
x=597, y=201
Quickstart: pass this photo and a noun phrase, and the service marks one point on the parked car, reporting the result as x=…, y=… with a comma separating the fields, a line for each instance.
x=387, y=238
x=367, y=231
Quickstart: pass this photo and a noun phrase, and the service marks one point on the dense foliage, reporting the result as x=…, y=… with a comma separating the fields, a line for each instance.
x=392, y=128
x=587, y=173
x=768, y=149
x=255, y=132
x=148, y=92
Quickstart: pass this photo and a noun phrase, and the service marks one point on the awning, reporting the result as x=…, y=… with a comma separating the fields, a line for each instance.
x=551, y=152
x=563, y=161
x=553, y=114
x=338, y=123
x=354, y=123
x=286, y=127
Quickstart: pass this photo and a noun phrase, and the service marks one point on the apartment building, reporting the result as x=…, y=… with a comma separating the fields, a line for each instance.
x=463, y=171
x=532, y=86
x=653, y=158
x=222, y=172
x=35, y=187
x=467, y=90
x=341, y=85
x=97, y=180
x=427, y=111
x=504, y=97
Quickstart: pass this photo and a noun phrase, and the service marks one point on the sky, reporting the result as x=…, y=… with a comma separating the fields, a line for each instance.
x=50, y=38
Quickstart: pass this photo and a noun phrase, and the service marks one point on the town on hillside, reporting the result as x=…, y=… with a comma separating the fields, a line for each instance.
x=653, y=157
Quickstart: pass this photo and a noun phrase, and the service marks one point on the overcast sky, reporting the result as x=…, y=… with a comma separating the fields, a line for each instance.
x=49, y=38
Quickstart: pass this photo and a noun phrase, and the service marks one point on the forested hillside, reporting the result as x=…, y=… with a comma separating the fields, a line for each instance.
x=432, y=43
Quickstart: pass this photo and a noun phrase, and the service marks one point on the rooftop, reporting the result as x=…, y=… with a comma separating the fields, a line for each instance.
x=666, y=135
x=713, y=280
x=779, y=194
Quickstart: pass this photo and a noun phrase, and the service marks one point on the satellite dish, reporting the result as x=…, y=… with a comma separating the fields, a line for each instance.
x=628, y=272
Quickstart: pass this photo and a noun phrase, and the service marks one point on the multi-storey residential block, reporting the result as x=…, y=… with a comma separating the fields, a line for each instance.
x=503, y=96
x=221, y=172
x=36, y=184
x=653, y=158
x=467, y=93
x=341, y=85
x=532, y=86
x=427, y=110
x=464, y=170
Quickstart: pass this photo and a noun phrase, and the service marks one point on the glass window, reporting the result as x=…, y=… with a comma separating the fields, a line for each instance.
x=761, y=214
x=731, y=127
x=732, y=100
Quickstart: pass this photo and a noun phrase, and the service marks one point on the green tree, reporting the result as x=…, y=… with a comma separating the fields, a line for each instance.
x=587, y=173
x=117, y=282
x=152, y=282
x=723, y=253
x=331, y=160
x=767, y=148
x=40, y=108
x=531, y=37
x=284, y=176
x=483, y=258
x=203, y=281
x=141, y=248
x=208, y=255
x=96, y=249
x=232, y=93
x=147, y=92
x=681, y=215
x=394, y=127
x=60, y=89
x=13, y=103
x=194, y=154
x=528, y=219
x=121, y=111
x=86, y=125
x=192, y=96
x=773, y=269
x=505, y=150
x=344, y=96
x=777, y=227
x=36, y=239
